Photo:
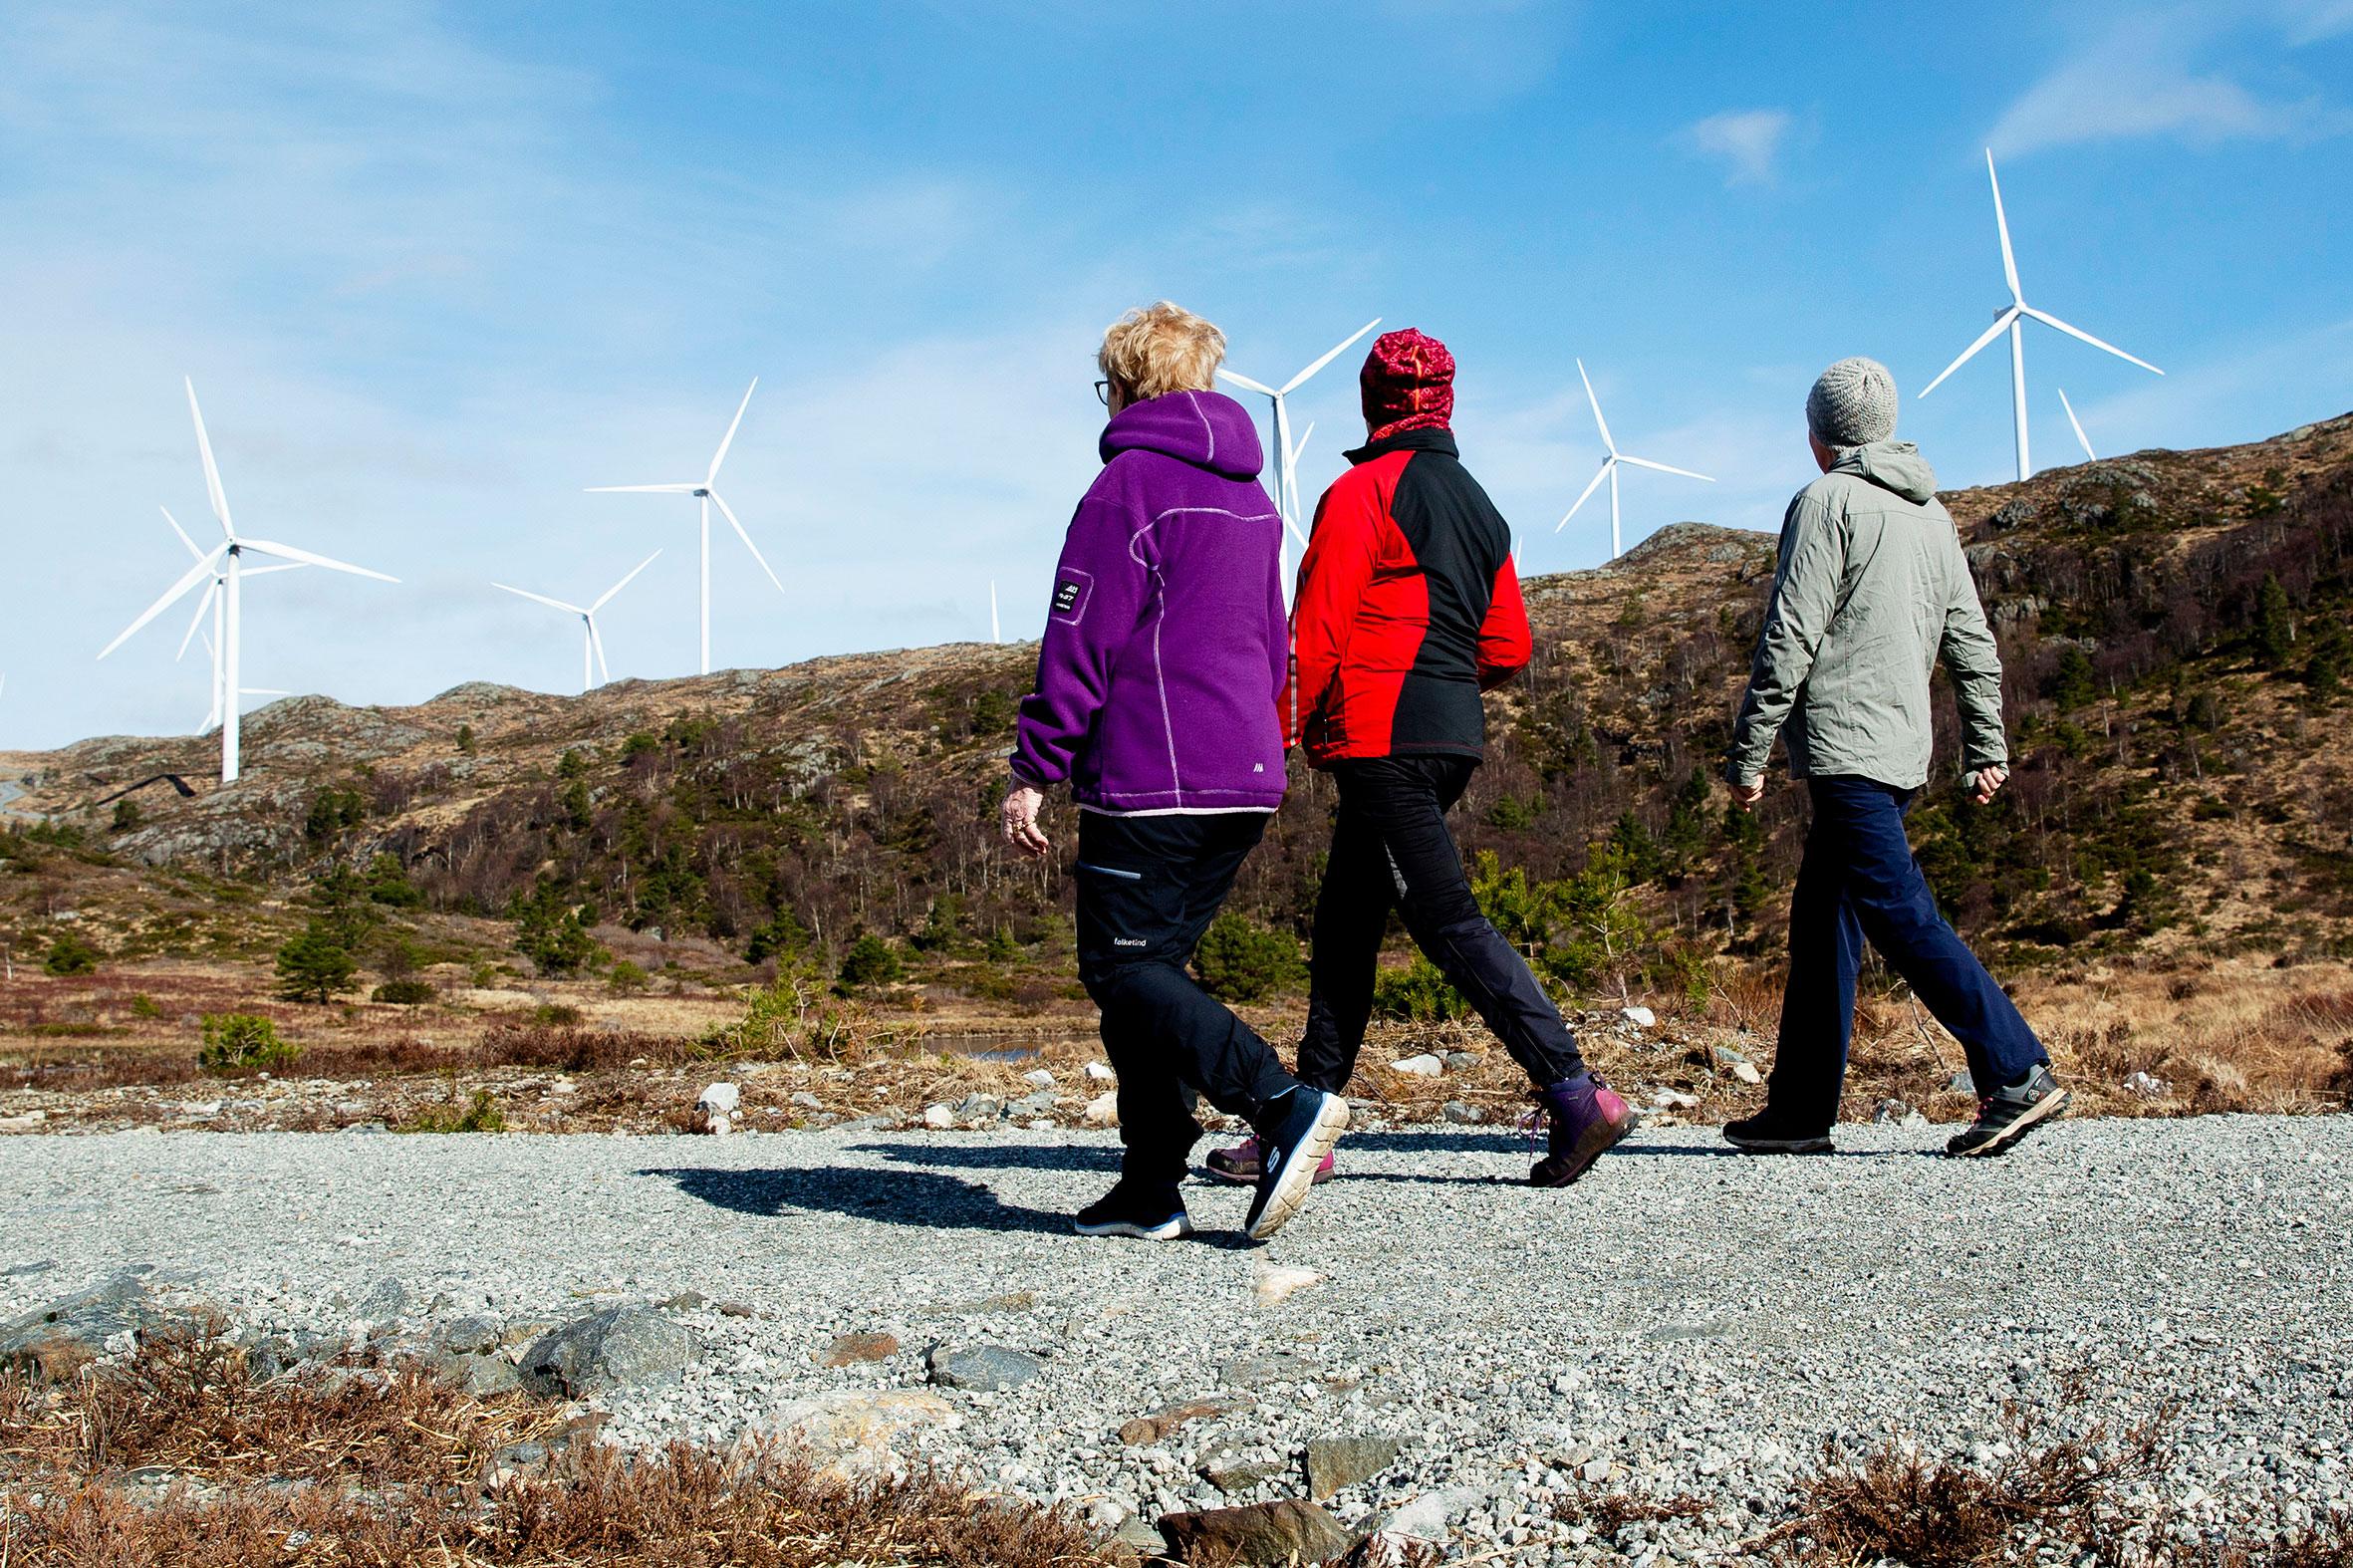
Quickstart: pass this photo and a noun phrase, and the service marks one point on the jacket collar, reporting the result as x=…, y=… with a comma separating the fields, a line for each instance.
x=1433, y=440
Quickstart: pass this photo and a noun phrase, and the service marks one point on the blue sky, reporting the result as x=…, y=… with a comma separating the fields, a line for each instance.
x=435, y=269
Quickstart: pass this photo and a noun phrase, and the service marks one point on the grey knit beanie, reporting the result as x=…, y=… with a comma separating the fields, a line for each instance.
x=1853, y=404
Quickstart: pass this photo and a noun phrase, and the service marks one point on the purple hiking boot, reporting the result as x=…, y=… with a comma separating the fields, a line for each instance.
x=1587, y=1119
x=1241, y=1163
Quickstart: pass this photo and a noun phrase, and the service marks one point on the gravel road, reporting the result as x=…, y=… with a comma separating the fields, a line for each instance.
x=1684, y=1320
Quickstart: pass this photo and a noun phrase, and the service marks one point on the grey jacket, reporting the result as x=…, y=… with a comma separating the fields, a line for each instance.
x=1871, y=588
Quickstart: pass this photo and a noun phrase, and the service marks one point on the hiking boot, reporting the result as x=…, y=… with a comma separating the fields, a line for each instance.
x=2010, y=1112
x=1241, y=1163
x=1587, y=1119
x=1149, y=1214
x=1770, y=1133
x=1291, y=1151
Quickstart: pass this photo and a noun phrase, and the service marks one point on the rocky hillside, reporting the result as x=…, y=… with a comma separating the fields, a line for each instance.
x=2175, y=627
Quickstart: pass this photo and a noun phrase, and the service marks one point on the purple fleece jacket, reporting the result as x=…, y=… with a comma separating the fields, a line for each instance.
x=1166, y=641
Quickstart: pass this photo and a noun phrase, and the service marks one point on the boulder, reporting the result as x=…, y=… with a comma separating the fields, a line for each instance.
x=848, y=1350
x=1462, y=1113
x=715, y=1107
x=1334, y=1464
x=1427, y=1065
x=1258, y=1371
x=1275, y=1534
x=1145, y=1431
x=619, y=1347
x=1639, y=1017
x=938, y=1115
x=53, y=1343
x=1103, y=1109
x=1100, y=1073
x=983, y=1369
x=860, y=1431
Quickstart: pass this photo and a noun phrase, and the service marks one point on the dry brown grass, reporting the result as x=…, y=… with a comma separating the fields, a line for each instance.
x=179, y=1456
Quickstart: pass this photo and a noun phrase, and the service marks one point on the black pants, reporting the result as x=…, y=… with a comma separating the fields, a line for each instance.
x=1148, y=887
x=1391, y=849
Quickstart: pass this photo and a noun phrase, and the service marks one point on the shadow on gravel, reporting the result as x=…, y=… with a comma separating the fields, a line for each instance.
x=1102, y=1158
x=894, y=1198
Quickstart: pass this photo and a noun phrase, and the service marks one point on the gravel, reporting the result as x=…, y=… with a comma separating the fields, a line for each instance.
x=1684, y=1320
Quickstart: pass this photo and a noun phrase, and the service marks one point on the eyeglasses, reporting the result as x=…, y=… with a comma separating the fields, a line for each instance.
x=1103, y=394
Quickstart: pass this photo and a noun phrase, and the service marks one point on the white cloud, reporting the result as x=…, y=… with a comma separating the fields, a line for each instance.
x=1747, y=141
x=2147, y=78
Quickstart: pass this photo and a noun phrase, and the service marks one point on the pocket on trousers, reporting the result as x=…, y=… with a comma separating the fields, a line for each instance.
x=1126, y=913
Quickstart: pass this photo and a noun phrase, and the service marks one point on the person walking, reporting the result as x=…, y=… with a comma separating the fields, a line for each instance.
x=1164, y=653
x=1869, y=590
x=1407, y=608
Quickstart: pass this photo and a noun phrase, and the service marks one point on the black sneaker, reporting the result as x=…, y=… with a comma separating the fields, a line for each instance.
x=1148, y=1215
x=2010, y=1112
x=1770, y=1133
x=1292, y=1152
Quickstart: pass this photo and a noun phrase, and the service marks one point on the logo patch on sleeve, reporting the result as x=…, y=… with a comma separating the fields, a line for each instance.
x=1065, y=596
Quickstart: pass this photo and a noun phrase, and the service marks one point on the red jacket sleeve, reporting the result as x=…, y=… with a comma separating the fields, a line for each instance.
x=1504, y=647
x=1342, y=549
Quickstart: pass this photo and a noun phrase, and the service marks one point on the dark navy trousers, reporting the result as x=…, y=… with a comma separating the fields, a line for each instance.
x=1860, y=883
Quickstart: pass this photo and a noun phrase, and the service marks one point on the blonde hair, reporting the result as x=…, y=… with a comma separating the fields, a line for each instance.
x=1162, y=348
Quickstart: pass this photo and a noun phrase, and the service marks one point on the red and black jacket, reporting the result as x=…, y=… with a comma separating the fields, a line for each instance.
x=1408, y=607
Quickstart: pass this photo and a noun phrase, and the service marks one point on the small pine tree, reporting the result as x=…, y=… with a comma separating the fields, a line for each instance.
x=2074, y=683
x=869, y=961
x=71, y=954
x=315, y=967
x=465, y=740
x=2275, y=631
x=126, y=814
x=1240, y=961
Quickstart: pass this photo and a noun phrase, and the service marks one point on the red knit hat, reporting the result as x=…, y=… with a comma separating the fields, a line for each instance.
x=1408, y=384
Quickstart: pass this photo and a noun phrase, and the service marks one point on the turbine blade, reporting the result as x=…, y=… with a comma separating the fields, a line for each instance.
x=729, y=513
x=193, y=552
x=197, y=620
x=196, y=574
x=728, y=440
x=1601, y=473
x=1302, y=446
x=264, y=571
x=2001, y=324
x=1304, y=541
x=307, y=558
x=2048, y=319
x=1244, y=383
x=596, y=641
x=220, y=499
x=641, y=489
x=2009, y=263
x=2082, y=439
x=1597, y=418
x=1331, y=354
x=623, y=583
x=1644, y=463
x=542, y=598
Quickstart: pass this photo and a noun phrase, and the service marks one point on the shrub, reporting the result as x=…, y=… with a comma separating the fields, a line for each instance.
x=71, y=954
x=126, y=816
x=478, y=1115
x=1240, y=961
x=1417, y=993
x=552, y=933
x=244, y=1043
x=869, y=961
x=145, y=1006
x=388, y=883
x=314, y=966
x=782, y=937
x=405, y=993
x=625, y=979
x=793, y=1020
x=556, y=1015
x=465, y=739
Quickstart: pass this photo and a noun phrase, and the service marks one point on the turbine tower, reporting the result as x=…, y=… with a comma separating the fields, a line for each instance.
x=224, y=564
x=593, y=643
x=2081, y=439
x=2011, y=318
x=707, y=492
x=1286, y=452
x=210, y=605
x=996, y=631
x=1609, y=470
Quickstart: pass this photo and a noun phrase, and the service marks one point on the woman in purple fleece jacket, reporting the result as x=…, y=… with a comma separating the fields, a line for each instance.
x=1165, y=650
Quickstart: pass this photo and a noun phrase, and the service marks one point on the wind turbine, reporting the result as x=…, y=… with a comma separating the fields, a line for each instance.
x=1609, y=469
x=2011, y=319
x=707, y=492
x=1286, y=453
x=995, y=631
x=592, y=643
x=224, y=564
x=210, y=605
x=2081, y=439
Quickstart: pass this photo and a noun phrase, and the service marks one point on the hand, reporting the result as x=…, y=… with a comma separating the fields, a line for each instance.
x=1019, y=818
x=1986, y=783
x=1745, y=796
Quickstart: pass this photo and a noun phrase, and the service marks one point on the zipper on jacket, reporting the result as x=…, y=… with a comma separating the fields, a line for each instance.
x=1112, y=870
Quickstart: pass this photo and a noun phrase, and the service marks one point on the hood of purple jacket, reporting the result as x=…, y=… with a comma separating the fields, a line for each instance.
x=1205, y=429
x=1165, y=643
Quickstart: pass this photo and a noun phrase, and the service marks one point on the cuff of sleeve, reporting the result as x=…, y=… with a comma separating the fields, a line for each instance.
x=1024, y=776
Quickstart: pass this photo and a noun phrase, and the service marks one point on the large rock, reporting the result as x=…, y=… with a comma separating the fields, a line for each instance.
x=847, y=1350
x=1335, y=1463
x=859, y=1431
x=55, y=1342
x=1275, y=1534
x=619, y=1347
x=983, y=1368
x=1144, y=1430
